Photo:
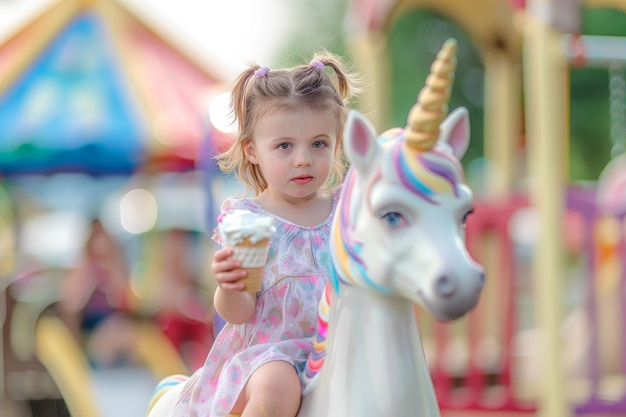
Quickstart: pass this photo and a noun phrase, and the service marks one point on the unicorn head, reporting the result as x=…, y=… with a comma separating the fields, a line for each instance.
x=400, y=226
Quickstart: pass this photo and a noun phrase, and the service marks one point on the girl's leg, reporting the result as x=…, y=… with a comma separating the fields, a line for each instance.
x=273, y=390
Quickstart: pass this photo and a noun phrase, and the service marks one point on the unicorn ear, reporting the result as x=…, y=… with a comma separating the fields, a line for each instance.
x=360, y=141
x=455, y=132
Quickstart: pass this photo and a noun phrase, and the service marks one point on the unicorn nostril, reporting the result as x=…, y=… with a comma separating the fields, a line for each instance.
x=445, y=286
x=482, y=280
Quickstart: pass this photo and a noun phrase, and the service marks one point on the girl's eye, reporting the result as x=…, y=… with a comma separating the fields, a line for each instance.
x=283, y=146
x=319, y=144
x=394, y=219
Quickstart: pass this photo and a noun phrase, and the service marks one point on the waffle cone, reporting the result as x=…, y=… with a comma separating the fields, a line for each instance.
x=254, y=279
x=246, y=243
x=253, y=257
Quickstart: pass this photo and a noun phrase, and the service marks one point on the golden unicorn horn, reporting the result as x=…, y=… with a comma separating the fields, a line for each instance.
x=422, y=128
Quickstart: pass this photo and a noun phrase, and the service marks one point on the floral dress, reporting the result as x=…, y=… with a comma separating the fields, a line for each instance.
x=283, y=325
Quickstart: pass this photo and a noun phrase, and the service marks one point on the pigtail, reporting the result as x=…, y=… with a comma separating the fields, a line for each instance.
x=240, y=94
x=346, y=80
x=234, y=158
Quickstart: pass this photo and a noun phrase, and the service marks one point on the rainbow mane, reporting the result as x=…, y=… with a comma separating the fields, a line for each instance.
x=315, y=362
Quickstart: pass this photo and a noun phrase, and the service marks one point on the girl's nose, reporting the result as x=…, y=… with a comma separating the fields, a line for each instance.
x=303, y=158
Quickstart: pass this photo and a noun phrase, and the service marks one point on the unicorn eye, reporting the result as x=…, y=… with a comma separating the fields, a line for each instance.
x=466, y=215
x=394, y=219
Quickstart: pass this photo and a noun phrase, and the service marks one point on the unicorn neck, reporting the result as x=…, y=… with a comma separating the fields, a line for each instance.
x=390, y=368
x=376, y=319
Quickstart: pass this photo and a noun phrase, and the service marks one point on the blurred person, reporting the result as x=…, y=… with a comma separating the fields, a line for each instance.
x=96, y=300
x=182, y=314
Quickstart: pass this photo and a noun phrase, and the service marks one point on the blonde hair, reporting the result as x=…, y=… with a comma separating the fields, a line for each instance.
x=259, y=90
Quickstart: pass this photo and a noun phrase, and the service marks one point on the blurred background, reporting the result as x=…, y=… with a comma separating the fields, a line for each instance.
x=111, y=111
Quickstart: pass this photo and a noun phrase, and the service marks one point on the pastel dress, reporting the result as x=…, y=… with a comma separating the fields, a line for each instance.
x=283, y=325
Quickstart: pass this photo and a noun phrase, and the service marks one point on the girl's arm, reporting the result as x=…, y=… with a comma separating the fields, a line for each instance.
x=235, y=307
x=231, y=301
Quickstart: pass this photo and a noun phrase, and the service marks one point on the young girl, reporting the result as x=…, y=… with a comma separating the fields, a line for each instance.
x=288, y=151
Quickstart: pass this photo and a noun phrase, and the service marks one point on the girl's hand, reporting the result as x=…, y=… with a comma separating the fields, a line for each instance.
x=227, y=270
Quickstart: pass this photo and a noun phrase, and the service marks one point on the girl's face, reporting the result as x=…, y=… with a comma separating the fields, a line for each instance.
x=294, y=149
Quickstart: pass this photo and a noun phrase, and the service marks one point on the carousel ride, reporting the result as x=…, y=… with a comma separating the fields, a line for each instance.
x=95, y=98
x=397, y=241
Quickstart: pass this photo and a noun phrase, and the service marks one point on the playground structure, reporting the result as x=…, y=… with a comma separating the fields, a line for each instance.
x=150, y=93
x=43, y=361
x=475, y=364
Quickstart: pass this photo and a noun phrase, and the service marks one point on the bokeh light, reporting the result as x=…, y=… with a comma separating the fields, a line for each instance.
x=219, y=114
x=138, y=211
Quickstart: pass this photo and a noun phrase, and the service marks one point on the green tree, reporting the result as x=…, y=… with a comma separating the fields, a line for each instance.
x=318, y=24
x=590, y=121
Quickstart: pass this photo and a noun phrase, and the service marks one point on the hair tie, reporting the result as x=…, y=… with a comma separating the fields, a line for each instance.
x=317, y=64
x=261, y=72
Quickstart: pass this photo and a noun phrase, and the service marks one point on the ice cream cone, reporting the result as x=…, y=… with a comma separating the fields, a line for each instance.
x=253, y=257
x=249, y=235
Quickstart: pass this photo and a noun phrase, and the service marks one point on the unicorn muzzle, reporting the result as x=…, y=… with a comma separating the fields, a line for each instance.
x=451, y=297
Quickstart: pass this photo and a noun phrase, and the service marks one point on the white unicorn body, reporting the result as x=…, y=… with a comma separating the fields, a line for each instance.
x=397, y=240
x=410, y=250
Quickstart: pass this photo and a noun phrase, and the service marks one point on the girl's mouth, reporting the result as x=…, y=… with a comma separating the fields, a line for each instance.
x=302, y=180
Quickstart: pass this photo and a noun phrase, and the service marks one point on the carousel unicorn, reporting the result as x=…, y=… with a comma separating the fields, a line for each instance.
x=397, y=240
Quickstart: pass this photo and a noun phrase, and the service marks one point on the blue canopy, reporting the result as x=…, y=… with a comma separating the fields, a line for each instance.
x=70, y=111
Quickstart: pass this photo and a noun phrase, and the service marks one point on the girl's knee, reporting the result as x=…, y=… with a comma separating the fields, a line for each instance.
x=277, y=372
x=276, y=379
